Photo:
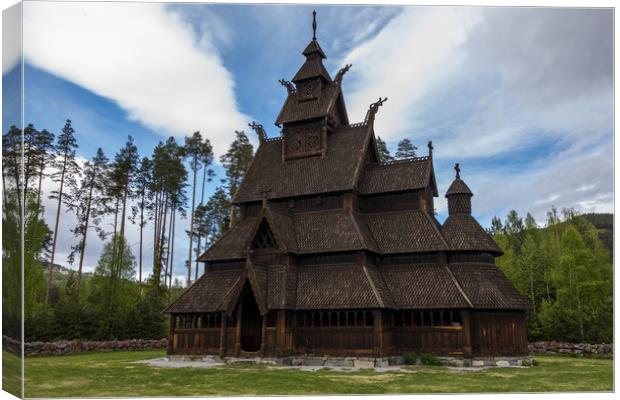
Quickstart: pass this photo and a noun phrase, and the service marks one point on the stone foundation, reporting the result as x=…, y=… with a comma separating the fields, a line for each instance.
x=357, y=362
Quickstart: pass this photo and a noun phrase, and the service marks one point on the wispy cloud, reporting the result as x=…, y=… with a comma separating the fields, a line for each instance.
x=146, y=58
x=520, y=95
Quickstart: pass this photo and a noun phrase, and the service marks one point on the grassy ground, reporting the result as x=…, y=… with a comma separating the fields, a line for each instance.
x=113, y=374
x=11, y=373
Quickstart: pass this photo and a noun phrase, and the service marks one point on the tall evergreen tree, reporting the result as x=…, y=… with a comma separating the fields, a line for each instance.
x=382, y=150
x=122, y=173
x=200, y=154
x=236, y=162
x=90, y=204
x=45, y=148
x=67, y=170
x=168, y=186
x=405, y=150
x=142, y=182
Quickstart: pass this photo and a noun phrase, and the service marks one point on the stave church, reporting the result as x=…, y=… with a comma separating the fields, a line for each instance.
x=337, y=253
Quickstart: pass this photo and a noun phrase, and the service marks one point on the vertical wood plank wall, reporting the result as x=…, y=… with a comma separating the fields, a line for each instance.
x=486, y=333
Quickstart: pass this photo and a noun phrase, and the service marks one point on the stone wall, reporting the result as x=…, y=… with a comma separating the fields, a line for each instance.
x=582, y=349
x=77, y=346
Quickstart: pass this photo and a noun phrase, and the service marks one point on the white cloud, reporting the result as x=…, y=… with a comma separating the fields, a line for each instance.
x=403, y=62
x=142, y=56
x=486, y=84
x=11, y=37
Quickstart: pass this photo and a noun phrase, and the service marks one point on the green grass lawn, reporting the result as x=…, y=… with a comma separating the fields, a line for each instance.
x=11, y=373
x=113, y=374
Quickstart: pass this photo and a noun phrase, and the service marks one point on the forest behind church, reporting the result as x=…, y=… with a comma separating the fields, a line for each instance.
x=562, y=265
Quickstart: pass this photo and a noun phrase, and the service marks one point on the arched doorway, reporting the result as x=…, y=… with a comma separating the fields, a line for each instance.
x=251, y=321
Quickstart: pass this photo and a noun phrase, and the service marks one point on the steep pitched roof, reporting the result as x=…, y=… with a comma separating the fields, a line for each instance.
x=335, y=230
x=405, y=232
x=397, y=176
x=284, y=226
x=306, y=176
x=463, y=232
x=314, y=47
x=209, y=293
x=487, y=286
x=231, y=245
x=334, y=287
x=293, y=110
x=422, y=286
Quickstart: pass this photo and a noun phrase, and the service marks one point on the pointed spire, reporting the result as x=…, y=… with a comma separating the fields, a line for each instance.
x=314, y=25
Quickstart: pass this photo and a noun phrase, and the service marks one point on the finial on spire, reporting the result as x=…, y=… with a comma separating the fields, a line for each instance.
x=457, y=168
x=430, y=148
x=313, y=24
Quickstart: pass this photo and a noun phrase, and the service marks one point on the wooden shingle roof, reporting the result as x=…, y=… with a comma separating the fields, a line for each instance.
x=210, y=293
x=419, y=286
x=231, y=245
x=458, y=186
x=293, y=110
x=487, y=286
x=405, y=232
x=333, y=230
x=334, y=287
x=464, y=233
x=305, y=176
x=397, y=176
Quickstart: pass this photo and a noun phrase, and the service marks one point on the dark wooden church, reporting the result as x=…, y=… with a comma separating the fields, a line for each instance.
x=336, y=253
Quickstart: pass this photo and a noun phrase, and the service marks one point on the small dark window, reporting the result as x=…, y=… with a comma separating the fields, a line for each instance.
x=417, y=318
x=456, y=318
x=436, y=318
x=350, y=318
x=426, y=318
x=370, y=321
x=271, y=319
x=264, y=238
x=333, y=318
x=407, y=320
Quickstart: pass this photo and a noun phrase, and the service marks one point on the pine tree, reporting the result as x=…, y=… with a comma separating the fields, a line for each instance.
x=45, y=148
x=382, y=151
x=122, y=173
x=142, y=181
x=405, y=150
x=200, y=154
x=168, y=188
x=66, y=172
x=90, y=204
x=236, y=162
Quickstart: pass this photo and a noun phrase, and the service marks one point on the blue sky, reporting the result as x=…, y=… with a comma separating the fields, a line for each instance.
x=522, y=98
